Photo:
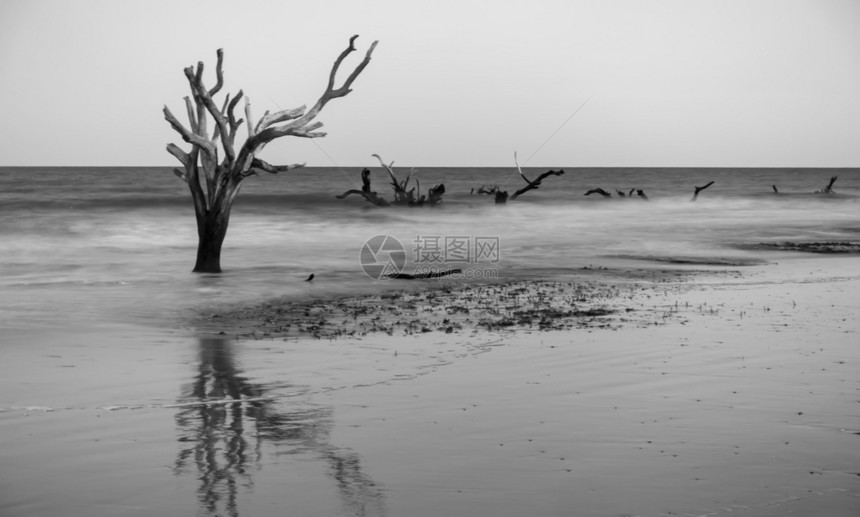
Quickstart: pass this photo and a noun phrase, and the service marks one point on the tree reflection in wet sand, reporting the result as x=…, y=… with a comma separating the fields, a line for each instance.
x=223, y=421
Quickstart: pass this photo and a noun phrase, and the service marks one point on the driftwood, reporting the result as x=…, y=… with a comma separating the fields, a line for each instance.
x=829, y=188
x=532, y=184
x=402, y=196
x=213, y=184
x=621, y=194
x=501, y=196
x=429, y=274
x=485, y=190
x=601, y=192
x=434, y=195
x=699, y=189
x=365, y=191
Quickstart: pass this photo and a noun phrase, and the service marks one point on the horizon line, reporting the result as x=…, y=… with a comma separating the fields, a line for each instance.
x=475, y=166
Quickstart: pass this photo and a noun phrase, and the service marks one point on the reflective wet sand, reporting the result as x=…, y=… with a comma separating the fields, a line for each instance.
x=742, y=400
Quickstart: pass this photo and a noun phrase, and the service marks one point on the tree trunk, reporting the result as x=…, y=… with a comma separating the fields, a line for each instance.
x=211, y=230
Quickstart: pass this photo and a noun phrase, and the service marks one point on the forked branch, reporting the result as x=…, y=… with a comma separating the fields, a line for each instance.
x=301, y=126
x=400, y=193
x=532, y=184
x=699, y=189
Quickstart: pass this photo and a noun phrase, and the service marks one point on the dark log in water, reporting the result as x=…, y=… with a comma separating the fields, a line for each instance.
x=699, y=189
x=601, y=192
x=536, y=183
x=434, y=195
x=419, y=276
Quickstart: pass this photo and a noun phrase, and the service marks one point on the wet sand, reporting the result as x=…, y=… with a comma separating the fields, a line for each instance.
x=729, y=392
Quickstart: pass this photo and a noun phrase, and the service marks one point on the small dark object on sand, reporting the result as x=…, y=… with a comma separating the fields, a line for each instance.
x=429, y=274
x=310, y=278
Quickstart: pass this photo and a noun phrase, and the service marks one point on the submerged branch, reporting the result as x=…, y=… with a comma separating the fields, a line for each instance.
x=699, y=189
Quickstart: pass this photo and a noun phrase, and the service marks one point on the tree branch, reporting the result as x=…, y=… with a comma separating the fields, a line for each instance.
x=599, y=191
x=180, y=155
x=532, y=184
x=281, y=116
x=400, y=194
x=536, y=183
x=699, y=189
x=296, y=127
x=257, y=163
x=205, y=99
x=231, y=118
x=219, y=74
x=520, y=171
x=369, y=195
x=345, y=88
x=188, y=136
x=249, y=120
x=192, y=118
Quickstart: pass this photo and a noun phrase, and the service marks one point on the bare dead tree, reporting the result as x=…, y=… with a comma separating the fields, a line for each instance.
x=214, y=184
x=699, y=189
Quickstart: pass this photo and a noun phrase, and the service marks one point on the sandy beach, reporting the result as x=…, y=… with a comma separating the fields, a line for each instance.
x=662, y=391
x=389, y=259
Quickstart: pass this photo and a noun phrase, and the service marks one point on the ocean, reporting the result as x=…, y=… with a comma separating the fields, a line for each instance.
x=738, y=394
x=86, y=245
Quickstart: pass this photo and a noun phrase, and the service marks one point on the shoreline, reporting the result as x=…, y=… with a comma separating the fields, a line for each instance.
x=590, y=297
x=607, y=296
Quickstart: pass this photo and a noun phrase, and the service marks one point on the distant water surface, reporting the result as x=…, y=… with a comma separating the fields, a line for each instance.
x=91, y=244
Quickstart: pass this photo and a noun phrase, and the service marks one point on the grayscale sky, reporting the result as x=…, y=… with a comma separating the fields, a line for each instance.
x=452, y=83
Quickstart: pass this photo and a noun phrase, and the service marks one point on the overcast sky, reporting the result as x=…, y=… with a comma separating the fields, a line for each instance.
x=452, y=83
